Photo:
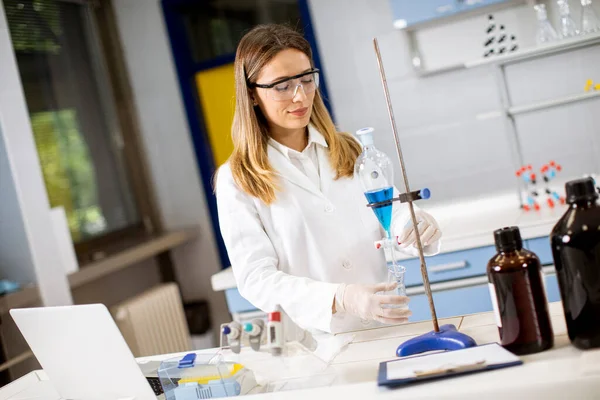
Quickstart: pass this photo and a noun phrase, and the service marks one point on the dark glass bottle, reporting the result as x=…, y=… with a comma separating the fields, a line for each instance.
x=518, y=295
x=575, y=244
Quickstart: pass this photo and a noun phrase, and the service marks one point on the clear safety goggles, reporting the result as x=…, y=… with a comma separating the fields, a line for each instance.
x=286, y=89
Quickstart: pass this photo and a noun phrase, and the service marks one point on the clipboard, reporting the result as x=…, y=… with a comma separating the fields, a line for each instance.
x=408, y=370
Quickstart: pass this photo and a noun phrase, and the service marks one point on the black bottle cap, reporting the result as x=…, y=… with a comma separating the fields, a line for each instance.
x=581, y=190
x=508, y=239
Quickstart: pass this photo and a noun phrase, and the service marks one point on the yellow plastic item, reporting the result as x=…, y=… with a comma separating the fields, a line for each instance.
x=234, y=368
x=597, y=87
x=589, y=84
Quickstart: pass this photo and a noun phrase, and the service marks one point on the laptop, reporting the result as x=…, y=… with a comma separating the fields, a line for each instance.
x=84, y=354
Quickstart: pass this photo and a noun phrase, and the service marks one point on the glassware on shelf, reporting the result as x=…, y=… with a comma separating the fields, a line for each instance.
x=545, y=31
x=590, y=22
x=567, y=27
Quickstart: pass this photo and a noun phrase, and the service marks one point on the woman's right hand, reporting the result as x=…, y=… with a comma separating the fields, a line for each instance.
x=364, y=302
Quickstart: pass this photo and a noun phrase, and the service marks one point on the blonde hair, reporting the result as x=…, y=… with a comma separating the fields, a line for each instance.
x=249, y=161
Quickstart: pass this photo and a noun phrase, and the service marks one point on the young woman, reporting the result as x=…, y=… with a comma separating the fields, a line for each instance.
x=292, y=215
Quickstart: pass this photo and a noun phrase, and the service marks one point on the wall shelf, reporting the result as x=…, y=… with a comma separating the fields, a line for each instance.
x=16, y=360
x=462, y=11
x=532, y=53
x=436, y=71
x=558, y=47
x=148, y=249
x=153, y=246
x=100, y=269
x=24, y=297
x=542, y=105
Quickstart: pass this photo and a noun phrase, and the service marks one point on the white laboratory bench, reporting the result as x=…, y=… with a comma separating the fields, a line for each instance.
x=458, y=273
x=559, y=373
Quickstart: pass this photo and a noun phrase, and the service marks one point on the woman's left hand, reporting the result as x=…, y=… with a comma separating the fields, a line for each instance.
x=429, y=231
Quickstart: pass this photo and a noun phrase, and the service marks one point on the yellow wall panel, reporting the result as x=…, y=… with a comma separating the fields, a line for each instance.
x=216, y=88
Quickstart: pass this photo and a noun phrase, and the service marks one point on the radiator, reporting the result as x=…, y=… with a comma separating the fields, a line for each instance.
x=154, y=322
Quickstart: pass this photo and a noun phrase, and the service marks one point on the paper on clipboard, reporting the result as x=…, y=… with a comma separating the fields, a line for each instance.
x=484, y=356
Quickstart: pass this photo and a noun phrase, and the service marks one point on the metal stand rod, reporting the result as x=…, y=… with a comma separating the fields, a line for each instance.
x=426, y=285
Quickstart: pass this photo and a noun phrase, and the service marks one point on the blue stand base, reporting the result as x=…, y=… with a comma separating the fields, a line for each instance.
x=448, y=338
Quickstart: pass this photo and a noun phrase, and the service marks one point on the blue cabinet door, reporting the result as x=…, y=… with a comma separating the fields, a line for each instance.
x=236, y=303
x=452, y=303
x=541, y=247
x=552, y=289
x=449, y=266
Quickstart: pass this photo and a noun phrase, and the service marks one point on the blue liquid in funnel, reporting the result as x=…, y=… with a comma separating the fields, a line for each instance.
x=383, y=213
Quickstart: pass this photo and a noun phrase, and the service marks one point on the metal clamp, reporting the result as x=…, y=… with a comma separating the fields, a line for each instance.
x=422, y=194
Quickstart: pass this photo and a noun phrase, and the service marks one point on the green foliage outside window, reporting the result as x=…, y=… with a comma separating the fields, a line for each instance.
x=67, y=169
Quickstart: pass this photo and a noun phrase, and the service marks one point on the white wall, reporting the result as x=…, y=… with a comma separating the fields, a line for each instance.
x=28, y=250
x=447, y=144
x=168, y=146
x=15, y=258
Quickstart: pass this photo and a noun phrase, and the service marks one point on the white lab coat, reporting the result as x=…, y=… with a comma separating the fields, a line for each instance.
x=296, y=251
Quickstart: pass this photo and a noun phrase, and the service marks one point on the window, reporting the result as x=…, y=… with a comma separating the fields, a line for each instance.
x=215, y=27
x=75, y=122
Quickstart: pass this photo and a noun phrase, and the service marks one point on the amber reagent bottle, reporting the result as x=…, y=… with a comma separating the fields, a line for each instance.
x=576, y=252
x=518, y=295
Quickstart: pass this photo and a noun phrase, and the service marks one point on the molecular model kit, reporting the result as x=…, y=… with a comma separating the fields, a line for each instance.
x=537, y=187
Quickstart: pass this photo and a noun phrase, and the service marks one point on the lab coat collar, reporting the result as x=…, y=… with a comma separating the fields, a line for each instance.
x=279, y=158
x=314, y=136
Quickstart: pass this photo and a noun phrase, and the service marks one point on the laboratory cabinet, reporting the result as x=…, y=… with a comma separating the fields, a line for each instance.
x=552, y=289
x=541, y=247
x=449, y=266
x=450, y=303
x=467, y=263
x=443, y=267
x=236, y=303
x=446, y=267
x=467, y=300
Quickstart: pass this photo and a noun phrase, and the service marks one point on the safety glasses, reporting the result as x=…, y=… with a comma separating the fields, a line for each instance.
x=286, y=89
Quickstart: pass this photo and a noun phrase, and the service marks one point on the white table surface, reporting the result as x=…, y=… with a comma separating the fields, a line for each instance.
x=559, y=373
x=562, y=372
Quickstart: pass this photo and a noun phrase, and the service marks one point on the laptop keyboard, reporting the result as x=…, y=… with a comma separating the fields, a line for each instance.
x=155, y=385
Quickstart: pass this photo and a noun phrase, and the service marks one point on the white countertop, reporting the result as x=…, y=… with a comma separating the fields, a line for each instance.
x=559, y=373
x=465, y=225
x=469, y=224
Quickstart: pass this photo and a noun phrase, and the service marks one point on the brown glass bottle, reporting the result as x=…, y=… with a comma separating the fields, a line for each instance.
x=576, y=251
x=518, y=295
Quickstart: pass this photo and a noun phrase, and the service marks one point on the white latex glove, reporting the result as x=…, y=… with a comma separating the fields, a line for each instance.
x=364, y=302
x=428, y=228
